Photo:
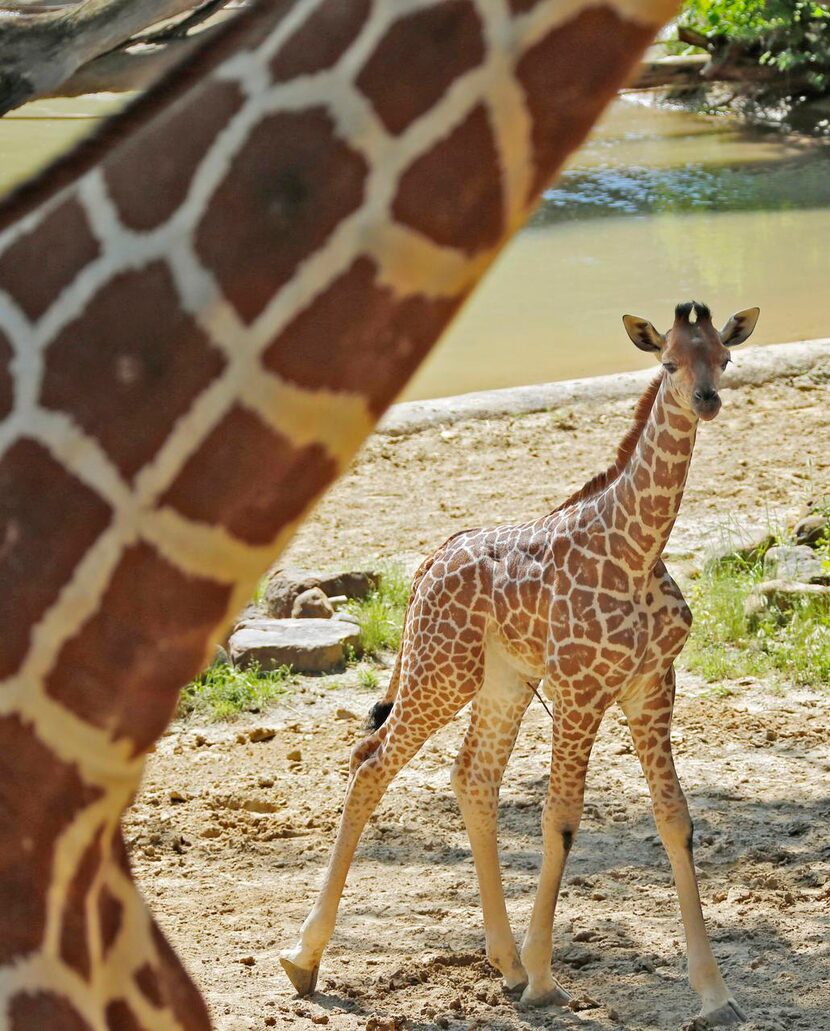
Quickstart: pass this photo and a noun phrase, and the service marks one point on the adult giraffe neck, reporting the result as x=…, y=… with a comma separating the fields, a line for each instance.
x=641, y=505
x=199, y=323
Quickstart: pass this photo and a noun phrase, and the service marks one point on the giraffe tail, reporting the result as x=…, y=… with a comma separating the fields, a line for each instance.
x=380, y=710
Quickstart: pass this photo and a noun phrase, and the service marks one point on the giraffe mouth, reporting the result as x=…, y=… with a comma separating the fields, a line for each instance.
x=707, y=410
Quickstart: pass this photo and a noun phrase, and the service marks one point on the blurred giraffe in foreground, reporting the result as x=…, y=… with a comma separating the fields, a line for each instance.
x=203, y=311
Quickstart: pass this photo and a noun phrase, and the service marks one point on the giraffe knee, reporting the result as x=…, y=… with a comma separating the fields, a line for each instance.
x=363, y=751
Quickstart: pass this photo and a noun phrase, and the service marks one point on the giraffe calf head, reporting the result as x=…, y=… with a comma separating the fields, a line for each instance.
x=693, y=353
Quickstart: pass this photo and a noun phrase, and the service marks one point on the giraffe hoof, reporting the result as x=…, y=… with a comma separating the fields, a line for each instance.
x=554, y=995
x=305, y=981
x=729, y=1013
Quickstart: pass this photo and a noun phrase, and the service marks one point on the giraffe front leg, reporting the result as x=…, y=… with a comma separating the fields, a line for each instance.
x=495, y=718
x=573, y=738
x=649, y=718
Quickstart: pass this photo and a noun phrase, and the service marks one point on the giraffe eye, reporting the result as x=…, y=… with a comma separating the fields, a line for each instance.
x=669, y=366
x=725, y=362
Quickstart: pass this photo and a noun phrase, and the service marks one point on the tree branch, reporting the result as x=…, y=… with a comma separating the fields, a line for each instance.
x=41, y=49
x=121, y=71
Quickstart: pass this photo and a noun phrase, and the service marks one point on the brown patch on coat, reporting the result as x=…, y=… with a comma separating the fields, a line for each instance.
x=39, y=1011
x=564, y=92
x=290, y=186
x=123, y=669
x=120, y=1017
x=33, y=820
x=148, y=984
x=418, y=59
x=321, y=40
x=249, y=479
x=74, y=948
x=130, y=366
x=110, y=917
x=148, y=178
x=359, y=336
x=43, y=509
x=453, y=193
x=42, y=262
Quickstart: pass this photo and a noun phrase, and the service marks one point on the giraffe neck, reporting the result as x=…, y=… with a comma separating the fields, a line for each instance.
x=641, y=505
x=242, y=272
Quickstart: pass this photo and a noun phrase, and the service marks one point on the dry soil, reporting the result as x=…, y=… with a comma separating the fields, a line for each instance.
x=229, y=836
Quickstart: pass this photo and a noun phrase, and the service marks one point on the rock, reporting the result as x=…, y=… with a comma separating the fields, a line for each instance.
x=220, y=657
x=347, y=617
x=261, y=734
x=811, y=529
x=286, y=585
x=307, y=645
x=748, y=551
x=345, y=714
x=295, y=756
x=780, y=596
x=794, y=562
x=248, y=961
x=312, y=604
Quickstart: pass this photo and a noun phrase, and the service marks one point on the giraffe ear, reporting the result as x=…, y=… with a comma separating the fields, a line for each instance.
x=643, y=334
x=739, y=327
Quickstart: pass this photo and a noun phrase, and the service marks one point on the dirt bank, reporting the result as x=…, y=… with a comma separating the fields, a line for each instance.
x=231, y=866
x=231, y=871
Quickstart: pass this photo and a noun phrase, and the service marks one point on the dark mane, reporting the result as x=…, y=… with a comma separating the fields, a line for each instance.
x=624, y=451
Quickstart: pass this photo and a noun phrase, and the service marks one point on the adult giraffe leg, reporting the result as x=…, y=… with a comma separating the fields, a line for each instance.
x=574, y=732
x=375, y=763
x=495, y=718
x=649, y=714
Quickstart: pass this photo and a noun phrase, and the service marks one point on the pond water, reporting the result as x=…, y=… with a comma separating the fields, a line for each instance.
x=659, y=206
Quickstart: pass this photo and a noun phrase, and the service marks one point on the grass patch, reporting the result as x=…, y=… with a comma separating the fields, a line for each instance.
x=223, y=691
x=381, y=613
x=791, y=646
x=368, y=678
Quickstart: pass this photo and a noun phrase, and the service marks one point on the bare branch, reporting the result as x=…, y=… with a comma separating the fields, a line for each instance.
x=121, y=71
x=41, y=48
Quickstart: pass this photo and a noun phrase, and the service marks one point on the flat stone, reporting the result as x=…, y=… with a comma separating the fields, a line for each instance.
x=285, y=586
x=781, y=596
x=307, y=645
x=794, y=562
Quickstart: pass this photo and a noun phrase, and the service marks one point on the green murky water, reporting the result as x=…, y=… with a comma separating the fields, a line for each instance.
x=659, y=206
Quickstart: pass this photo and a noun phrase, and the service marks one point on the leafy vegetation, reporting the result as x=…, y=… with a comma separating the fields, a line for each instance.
x=791, y=35
x=380, y=615
x=792, y=646
x=223, y=691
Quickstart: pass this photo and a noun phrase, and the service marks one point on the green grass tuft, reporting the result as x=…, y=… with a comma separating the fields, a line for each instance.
x=791, y=646
x=368, y=678
x=222, y=692
x=381, y=614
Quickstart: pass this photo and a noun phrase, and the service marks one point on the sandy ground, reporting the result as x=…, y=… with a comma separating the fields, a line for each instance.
x=229, y=837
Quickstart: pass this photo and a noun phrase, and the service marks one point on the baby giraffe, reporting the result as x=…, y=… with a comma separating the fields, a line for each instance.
x=581, y=601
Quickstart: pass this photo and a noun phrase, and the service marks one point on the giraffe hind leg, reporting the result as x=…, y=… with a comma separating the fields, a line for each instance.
x=416, y=715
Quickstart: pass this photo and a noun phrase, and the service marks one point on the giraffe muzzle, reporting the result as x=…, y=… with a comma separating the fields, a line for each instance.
x=707, y=404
